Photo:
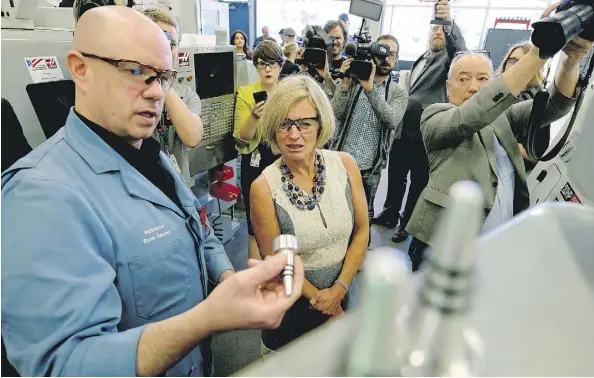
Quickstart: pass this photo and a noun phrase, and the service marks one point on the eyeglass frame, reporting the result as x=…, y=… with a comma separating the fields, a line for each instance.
x=148, y=81
x=268, y=64
x=172, y=43
x=465, y=52
x=293, y=122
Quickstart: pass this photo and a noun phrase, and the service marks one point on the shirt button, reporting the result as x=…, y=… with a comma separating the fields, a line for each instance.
x=494, y=184
x=498, y=97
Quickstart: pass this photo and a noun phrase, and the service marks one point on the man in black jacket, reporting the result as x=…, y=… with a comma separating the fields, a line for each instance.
x=426, y=85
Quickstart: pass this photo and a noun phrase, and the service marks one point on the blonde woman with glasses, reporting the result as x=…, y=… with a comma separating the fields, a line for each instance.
x=316, y=195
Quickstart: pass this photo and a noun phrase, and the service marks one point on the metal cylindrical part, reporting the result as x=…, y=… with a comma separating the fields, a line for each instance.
x=289, y=246
x=459, y=227
x=285, y=242
x=436, y=327
x=374, y=349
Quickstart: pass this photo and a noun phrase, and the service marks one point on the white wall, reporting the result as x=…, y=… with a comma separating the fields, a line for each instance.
x=213, y=14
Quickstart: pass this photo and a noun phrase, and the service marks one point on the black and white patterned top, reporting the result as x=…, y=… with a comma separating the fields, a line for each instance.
x=364, y=134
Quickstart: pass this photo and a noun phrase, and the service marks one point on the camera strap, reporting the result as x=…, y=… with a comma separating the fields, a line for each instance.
x=538, y=107
x=347, y=121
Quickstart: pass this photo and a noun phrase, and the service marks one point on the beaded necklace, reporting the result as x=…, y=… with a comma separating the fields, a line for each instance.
x=296, y=195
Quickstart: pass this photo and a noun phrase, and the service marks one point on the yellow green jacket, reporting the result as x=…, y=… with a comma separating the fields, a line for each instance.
x=243, y=108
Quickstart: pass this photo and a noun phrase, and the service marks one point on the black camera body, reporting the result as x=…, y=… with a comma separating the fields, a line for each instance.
x=363, y=53
x=318, y=47
x=81, y=6
x=572, y=18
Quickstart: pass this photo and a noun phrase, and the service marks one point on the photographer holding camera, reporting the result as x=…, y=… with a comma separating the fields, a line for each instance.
x=337, y=30
x=368, y=111
x=426, y=85
x=316, y=56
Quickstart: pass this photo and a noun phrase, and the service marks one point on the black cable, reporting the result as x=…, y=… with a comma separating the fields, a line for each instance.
x=537, y=115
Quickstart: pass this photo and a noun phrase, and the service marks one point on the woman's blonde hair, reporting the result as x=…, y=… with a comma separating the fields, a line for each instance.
x=538, y=79
x=290, y=48
x=288, y=93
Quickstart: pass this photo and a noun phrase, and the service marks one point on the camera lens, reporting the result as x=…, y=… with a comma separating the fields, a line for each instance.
x=551, y=34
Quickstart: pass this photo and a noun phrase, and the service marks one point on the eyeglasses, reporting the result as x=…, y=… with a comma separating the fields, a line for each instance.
x=262, y=65
x=139, y=73
x=482, y=52
x=304, y=125
x=172, y=43
x=512, y=61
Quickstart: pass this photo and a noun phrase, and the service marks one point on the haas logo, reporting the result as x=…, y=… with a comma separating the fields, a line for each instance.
x=183, y=59
x=51, y=63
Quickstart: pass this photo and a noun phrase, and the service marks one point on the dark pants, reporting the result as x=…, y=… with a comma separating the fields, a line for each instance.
x=370, y=183
x=416, y=252
x=249, y=174
x=405, y=156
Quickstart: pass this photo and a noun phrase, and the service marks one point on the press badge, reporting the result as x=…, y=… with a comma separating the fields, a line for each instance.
x=174, y=162
x=255, y=162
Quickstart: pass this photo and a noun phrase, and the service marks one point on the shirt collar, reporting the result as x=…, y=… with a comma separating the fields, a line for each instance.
x=148, y=152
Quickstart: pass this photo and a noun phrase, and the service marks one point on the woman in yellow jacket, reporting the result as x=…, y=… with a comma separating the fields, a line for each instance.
x=256, y=156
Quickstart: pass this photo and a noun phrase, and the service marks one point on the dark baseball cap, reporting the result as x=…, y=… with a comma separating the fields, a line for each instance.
x=290, y=32
x=344, y=17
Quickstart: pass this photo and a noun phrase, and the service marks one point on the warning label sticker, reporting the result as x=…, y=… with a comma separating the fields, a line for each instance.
x=44, y=68
x=183, y=59
x=569, y=195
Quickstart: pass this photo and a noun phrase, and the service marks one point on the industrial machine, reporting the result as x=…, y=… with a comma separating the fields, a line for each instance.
x=569, y=176
x=516, y=302
x=38, y=91
x=36, y=81
x=211, y=71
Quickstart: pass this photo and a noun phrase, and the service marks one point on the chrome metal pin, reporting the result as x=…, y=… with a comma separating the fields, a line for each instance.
x=289, y=246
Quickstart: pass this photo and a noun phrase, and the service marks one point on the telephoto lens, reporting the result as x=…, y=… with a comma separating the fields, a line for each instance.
x=572, y=18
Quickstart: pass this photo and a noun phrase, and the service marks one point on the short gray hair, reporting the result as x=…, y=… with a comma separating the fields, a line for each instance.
x=470, y=53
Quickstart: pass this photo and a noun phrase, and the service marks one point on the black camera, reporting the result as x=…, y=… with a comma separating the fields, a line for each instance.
x=81, y=6
x=572, y=18
x=318, y=47
x=362, y=53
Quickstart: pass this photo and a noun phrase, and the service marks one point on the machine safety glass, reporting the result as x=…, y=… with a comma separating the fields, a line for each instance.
x=304, y=125
x=140, y=73
x=262, y=65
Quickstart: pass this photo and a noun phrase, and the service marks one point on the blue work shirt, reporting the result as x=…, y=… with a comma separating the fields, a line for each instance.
x=92, y=252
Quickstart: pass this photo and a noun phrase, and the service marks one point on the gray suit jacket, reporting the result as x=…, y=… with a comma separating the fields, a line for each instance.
x=430, y=87
x=460, y=145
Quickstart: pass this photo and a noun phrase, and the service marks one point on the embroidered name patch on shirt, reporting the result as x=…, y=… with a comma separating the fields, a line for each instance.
x=155, y=233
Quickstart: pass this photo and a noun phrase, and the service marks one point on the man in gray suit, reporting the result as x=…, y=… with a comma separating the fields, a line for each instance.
x=426, y=86
x=474, y=136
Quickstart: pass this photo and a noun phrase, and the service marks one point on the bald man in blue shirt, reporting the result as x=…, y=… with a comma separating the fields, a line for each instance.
x=108, y=267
